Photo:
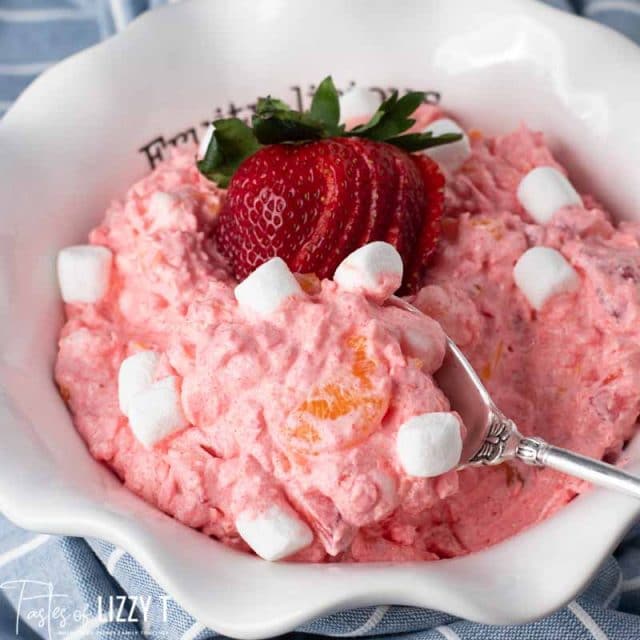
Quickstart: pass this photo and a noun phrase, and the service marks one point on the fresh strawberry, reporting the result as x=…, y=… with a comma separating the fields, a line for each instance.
x=256, y=222
x=309, y=211
x=315, y=201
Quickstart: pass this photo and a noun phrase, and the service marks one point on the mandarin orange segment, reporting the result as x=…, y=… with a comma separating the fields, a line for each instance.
x=490, y=367
x=494, y=227
x=342, y=412
x=309, y=282
x=306, y=433
x=65, y=393
x=363, y=367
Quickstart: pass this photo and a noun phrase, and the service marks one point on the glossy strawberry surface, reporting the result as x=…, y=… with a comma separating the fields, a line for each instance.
x=314, y=203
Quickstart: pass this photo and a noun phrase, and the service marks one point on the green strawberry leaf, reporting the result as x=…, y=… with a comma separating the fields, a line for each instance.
x=325, y=106
x=391, y=118
x=232, y=142
x=376, y=118
x=268, y=107
x=275, y=122
x=411, y=142
x=287, y=126
x=408, y=104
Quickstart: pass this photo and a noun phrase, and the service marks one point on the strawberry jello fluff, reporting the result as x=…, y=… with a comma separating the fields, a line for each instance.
x=289, y=417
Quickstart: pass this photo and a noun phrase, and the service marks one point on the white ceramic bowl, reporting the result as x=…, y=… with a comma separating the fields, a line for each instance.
x=71, y=143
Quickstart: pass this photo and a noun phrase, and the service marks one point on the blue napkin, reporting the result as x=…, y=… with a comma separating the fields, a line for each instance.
x=61, y=587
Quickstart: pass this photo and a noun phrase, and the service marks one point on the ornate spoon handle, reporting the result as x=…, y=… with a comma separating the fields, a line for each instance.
x=537, y=452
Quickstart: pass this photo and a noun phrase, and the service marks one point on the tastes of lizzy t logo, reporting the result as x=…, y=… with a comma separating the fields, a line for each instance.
x=41, y=606
x=155, y=150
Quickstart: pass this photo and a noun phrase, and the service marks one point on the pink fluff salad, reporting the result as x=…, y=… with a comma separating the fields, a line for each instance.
x=567, y=373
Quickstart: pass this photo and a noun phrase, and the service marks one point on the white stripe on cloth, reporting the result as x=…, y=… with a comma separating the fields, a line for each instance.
x=25, y=69
x=23, y=549
x=120, y=13
x=587, y=621
x=627, y=6
x=448, y=633
x=631, y=584
x=43, y=15
x=86, y=630
x=614, y=593
x=193, y=631
x=374, y=620
x=113, y=559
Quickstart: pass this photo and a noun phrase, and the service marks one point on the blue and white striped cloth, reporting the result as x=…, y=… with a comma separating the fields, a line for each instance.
x=83, y=580
x=34, y=34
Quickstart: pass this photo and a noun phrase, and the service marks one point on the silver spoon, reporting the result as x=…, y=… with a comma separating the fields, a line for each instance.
x=493, y=438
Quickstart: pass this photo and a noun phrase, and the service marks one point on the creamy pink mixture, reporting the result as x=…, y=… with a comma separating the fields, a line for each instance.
x=303, y=407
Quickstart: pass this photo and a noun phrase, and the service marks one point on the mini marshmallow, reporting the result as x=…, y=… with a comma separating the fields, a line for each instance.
x=542, y=272
x=450, y=156
x=160, y=205
x=157, y=412
x=374, y=270
x=204, y=143
x=358, y=102
x=135, y=375
x=543, y=191
x=264, y=290
x=84, y=272
x=274, y=534
x=430, y=444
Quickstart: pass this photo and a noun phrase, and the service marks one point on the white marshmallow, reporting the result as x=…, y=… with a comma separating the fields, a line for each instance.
x=157, y=412
x=160, y=204
x=204, y=143
x=543, y=191
x=374, y=270
x=84, y=272
x=274, y=534
x=358, y=102
x=264, y=290
x=451, y=156
x=542, y=272
x=430, y=444
x=135, y=375
x=164, y=213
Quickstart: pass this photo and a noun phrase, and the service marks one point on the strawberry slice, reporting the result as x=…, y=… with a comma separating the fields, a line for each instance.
x=338, y=230
x=408, y=208
x=433, y=184
x=383, y=187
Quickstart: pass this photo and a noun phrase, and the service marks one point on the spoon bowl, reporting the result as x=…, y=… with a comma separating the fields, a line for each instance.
x=492, y=438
